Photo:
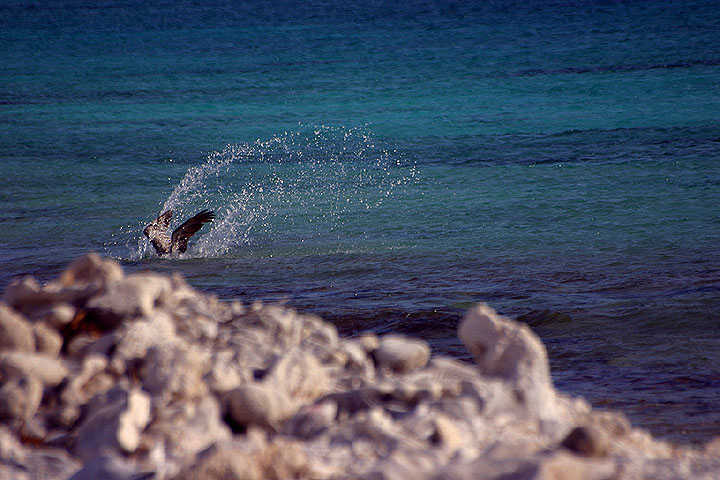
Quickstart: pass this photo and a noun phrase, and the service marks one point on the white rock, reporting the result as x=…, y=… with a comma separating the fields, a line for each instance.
x=92, y=268
x=225, y=374
x=47, y=340
x=57, y=315
x=79, y=389
x=132, y=297
x=510, y=350
x=402, y=354
x=136, y=338
x=18, y=462
x=115, y=422
x=107, y=467
x=20, y=398
x=49, y=371
x=175, y=370
x=312, y=420
x=26, y=295
x=15, y=332
x=259, y=405
x=184, y=430
x=299, y=374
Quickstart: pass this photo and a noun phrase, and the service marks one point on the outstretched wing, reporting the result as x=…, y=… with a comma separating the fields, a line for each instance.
x=156, y=231
x=181, y=234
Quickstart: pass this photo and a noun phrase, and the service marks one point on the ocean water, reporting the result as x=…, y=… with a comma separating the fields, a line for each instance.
x=387, y=166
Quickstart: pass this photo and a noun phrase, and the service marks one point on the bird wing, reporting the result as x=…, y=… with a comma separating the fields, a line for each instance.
x=181, y=234
x=156, y=231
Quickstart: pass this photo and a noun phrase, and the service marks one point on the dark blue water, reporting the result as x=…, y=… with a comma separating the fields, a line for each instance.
x=387, y=166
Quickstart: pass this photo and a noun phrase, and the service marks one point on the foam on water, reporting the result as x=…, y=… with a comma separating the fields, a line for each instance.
x=298, y=185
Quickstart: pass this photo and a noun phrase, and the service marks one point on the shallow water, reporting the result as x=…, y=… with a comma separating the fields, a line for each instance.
x=387, y=167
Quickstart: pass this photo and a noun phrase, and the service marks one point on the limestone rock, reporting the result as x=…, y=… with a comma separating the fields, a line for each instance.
x=136, y=338
x=299, y=374
x=88, y=382
x=114, y=424
x=175, y=369
x=587, y=440
x=402, y=354
x=56, y=315
x=49, y=371
x=255, y=459
x=153, y=377
x=312, y=420
x=225, y=373
x=92, y=268
x=18, y=462
x=182, y=430
x=47, y=340
x=109, y=467
x=568, y=467
x=446, y=433
x=15, y=332
x=26, y=294
x=132, y=297
x=510, y=350
x=223, y=462
x=20, y=398
x=260, y=405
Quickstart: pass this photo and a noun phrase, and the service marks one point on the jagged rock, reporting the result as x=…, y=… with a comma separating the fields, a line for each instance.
x=131, y=297
x=401, y=354
x=15, y=332
x=49, y=371
x=510, y=350
x=47, y=340
x=114, y=422
x=20, y=398
x=587, y=440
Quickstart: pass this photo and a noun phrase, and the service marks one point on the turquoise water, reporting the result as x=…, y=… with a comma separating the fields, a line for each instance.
x=387, y=166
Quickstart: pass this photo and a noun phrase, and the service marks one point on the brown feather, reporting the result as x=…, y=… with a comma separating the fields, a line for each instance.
x=180, y=236
x=156, y=231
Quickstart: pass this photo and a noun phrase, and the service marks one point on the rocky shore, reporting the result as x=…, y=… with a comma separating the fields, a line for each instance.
x=119, y=377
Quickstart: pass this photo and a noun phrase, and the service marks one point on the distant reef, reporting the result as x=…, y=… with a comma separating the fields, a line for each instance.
x=105, y=375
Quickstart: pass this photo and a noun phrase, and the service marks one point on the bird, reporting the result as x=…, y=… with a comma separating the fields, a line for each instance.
x=156, y=231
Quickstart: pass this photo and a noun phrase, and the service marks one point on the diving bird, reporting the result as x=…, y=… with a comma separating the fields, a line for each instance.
x=156, y=231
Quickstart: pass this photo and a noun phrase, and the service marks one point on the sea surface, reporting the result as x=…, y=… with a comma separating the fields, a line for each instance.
x=388, y=164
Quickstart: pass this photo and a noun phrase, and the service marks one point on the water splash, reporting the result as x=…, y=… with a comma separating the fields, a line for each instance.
x=305, y=184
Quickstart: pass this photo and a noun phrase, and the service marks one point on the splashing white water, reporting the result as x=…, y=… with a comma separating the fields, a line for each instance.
x=297, y=185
